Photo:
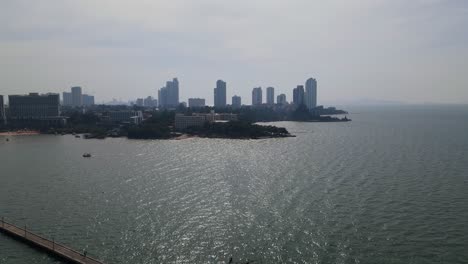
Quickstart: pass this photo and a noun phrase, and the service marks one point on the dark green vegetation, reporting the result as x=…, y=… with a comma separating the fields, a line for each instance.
x=95, y=122
x=237, y=129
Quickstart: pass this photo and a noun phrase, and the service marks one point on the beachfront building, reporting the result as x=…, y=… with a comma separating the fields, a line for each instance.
x=125, y=117
x=35, y=109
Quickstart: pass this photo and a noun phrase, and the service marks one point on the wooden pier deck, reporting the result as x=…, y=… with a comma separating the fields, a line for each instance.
x=45, y=244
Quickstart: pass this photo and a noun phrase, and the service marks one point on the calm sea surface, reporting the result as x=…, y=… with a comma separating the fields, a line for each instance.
x=389, y=187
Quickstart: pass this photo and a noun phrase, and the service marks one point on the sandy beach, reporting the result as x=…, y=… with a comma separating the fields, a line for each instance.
x=20, y=133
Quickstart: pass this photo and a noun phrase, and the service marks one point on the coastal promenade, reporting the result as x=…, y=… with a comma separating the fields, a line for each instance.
x=45, y=244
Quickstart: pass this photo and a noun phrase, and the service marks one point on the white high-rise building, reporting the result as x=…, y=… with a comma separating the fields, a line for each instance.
x=311, y=93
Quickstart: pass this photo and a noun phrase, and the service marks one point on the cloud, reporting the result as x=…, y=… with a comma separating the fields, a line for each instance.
x=127, y=49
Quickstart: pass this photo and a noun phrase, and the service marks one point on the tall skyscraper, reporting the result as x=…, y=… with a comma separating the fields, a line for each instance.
x=311, y=93
x=220, y=94
x=281, y=99
x=257, y=96
x=77, y=96
x=168, y=96
x=298, y=95
x=236, y=101
x=270, y=94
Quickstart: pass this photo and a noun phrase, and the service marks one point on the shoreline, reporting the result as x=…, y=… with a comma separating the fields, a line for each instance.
x=20, y=133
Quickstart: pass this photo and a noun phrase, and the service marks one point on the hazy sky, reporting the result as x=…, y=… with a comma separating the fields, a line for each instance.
x=401, y=50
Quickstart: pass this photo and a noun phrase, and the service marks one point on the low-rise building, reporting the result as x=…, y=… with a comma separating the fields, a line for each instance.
x=199, y=119
x=131, y=117
x=184, y=121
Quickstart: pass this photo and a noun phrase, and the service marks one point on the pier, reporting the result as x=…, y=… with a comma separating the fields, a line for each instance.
x=45, y=244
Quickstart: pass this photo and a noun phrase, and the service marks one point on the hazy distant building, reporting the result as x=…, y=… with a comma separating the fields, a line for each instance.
x=196, y=102
x=88, y=100
x=139, y=102
x=220, y=94
x=281, y=99
x=150, y=102
x=2, y=111
x=34, y=106
x=168, y=96
x=270, y=95
x=67, y=99
x=236, y=101
x=77, y=96
x=311, y=93
x=257, y=96
x=298, y=95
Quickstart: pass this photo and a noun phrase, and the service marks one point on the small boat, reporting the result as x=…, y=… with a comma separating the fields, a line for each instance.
x=87, y=155
x=7, y=139
x=78, y=136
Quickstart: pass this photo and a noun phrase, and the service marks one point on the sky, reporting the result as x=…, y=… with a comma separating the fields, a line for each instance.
x=362, y=50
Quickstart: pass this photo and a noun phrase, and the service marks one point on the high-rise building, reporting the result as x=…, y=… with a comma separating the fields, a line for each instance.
x=281, y=99
x=298, y=95
x=67, y=99
x=88, y=100
x=77, y=96
x=168, y=96
x=34, y=106
x=162, y=97
x=196, y=102
x=270, y=94
x=311, y=93
x=236, y=101
x=220, y=94
x=2, y=111
x=257, y=96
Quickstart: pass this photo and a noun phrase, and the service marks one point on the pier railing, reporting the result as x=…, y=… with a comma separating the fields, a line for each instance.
x=46, y=244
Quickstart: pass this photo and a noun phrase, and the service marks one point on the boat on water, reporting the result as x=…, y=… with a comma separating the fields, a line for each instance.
x=87, y=155
x=78, y=136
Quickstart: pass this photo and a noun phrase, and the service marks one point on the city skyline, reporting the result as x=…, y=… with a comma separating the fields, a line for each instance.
x=381, y=50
